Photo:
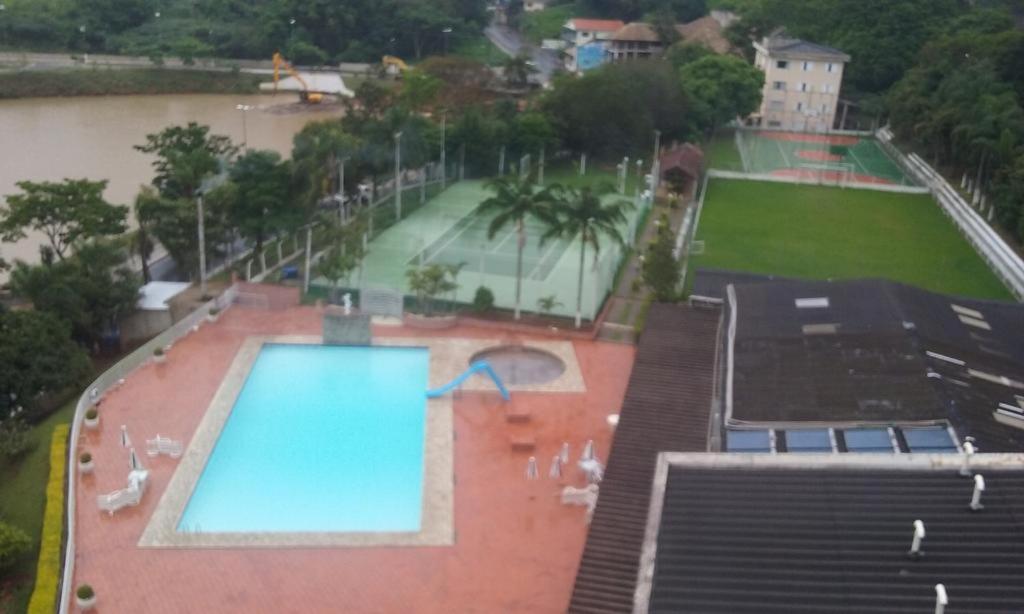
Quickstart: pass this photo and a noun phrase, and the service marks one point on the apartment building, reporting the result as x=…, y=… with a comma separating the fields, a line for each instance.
x=801, y=85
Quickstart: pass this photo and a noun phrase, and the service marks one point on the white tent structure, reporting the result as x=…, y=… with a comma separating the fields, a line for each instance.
x=322, y=82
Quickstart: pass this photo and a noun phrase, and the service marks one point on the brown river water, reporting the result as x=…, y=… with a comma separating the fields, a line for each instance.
x=92, y=137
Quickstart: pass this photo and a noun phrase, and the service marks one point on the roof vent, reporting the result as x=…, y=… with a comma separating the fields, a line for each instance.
x=969, y=450
x=915, y=545
x=941, y=600
x=979, y=487
x=818, y=302
x=820, y=329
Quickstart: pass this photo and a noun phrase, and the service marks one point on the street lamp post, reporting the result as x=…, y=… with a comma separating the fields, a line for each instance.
x=444, y=167
x=398, y=176
x=159, y=32
x=446, y=32
x=244, y=108
x=3, y=26
x=202, y=245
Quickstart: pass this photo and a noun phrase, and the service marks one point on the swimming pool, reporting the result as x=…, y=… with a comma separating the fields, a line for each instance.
x=320, y=439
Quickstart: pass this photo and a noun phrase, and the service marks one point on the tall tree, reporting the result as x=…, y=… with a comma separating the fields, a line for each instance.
x=91, y=290
x=346, y=251
x=37, y=358
x=582, y=213
x=661, y=270
x=721, y=88
x=263, y=204
x=184, y=157
x=65, y=212
x=515, y=200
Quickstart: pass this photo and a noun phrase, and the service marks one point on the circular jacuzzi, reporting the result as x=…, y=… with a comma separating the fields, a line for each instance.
x=519, y=365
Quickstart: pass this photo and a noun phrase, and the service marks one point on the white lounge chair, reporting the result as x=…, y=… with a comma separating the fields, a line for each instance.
x=163, y=445
x=132, y=495
x=581, y=496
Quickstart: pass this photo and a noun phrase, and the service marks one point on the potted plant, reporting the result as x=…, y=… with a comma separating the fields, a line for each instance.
x=159, y=355
x=92, y=418
x=213, y=314
x=85, y=597
x=85, y=463
x=428, y=283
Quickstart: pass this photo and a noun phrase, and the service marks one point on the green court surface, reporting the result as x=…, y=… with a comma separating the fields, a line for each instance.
x=822, y=232
x=831, y=158
x=450, y=229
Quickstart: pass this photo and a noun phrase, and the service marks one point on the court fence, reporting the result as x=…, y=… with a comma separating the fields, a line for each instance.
x=1001, y=258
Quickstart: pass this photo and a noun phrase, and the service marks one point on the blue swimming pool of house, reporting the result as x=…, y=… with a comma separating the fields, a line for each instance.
x=320, y=439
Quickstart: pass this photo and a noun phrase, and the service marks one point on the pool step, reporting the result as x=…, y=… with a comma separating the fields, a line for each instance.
x=523, y=443
x=517, y=415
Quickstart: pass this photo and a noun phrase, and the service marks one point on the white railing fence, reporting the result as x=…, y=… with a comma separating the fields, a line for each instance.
x=110, y=379
x=1001, y=258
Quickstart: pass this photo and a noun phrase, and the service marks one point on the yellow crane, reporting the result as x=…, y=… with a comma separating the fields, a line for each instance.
x=305, y=95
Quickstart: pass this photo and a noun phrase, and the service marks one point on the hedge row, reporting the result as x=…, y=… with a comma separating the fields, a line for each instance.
x=44, y=595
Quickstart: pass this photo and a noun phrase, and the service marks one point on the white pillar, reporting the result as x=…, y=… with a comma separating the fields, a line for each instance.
x=202, y=245
x=309, y=249
x=398, y=176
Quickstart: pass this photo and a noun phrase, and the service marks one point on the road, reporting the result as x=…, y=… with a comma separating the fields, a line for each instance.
x=511, y=43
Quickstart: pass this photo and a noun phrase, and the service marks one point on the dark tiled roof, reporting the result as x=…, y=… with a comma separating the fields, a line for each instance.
x=896, y=354
x=686, y=157
x=815, y=540
x=667, y=406
x=795, y=47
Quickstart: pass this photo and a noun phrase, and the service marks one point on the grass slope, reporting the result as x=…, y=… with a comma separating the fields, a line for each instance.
x=103, y=82
x=721, y=153
x=824, y=232
x=22, y=499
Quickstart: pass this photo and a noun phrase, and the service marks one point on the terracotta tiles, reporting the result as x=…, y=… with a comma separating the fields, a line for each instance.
x=516, y=547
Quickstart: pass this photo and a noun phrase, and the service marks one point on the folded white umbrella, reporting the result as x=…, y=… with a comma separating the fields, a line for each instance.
x=564, y=454
x=556, y=468
x=588, y=450
x=133, y=460
x=531, y=469
x=125, y=441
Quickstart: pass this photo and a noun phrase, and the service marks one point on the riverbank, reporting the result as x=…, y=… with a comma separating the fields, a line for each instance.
x=103, y=82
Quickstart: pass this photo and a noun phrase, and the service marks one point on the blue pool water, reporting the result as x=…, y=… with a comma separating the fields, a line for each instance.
x=321, y=438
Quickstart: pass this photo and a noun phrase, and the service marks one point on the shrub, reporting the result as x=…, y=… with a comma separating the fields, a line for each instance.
x=14, y=543
x=44, y=595
x=84, y=457
x=158, y=352
x=14, y=438
x=91, y=413
x=483, y=300
x=85, y=592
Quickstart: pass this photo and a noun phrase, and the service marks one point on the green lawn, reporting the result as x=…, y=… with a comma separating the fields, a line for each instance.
x=721, y=153
x=22, y=497
x=548, y=23
x=825, y=232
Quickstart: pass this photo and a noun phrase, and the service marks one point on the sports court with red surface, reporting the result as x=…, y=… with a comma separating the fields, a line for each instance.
x=827, y=158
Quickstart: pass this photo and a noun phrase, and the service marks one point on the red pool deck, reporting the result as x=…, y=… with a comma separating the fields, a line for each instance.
x=516, y=546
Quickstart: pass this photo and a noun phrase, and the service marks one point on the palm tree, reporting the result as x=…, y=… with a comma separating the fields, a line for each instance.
x=516, y=199
x=581, y=212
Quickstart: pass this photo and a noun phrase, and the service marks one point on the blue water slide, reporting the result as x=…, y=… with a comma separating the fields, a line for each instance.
x=476, y=367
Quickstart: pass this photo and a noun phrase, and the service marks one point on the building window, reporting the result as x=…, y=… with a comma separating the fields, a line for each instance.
x=776, y=105
x=779, y=85
x=799, y=106
x=830, y=67
x=773, y=123
x=782, y=64
x=828, y=88
x=808, y=66
x=824, y=108
x=803, y=87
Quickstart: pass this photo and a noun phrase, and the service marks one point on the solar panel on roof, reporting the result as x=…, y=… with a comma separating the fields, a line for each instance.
x=929, y=439
x=808, y=440
x=748, y=441
x=868, y=440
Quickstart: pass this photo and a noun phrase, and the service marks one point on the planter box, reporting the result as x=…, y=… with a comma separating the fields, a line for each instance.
x=413, y=320
x=212, y=317
x=159, y=358
x=86, y=468
x=92, y=424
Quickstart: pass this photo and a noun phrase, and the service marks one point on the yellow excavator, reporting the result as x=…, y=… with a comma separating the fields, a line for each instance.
x=389, y=60
x=305, y=95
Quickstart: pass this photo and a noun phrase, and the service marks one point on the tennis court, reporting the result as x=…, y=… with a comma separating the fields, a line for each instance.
x=451, y=229
x=829, y=158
